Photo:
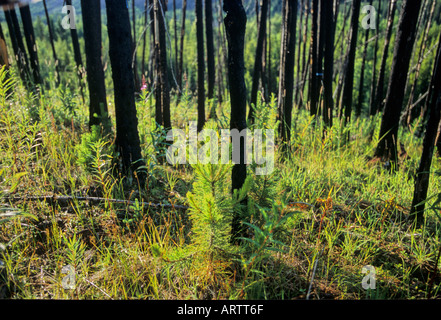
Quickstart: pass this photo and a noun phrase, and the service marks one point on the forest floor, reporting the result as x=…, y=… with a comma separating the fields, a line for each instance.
x=315, y=223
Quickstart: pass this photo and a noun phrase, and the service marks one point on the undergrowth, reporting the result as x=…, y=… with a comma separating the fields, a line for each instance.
x=311, y=225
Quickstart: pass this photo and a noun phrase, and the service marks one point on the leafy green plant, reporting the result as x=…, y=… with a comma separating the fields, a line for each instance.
x=262, y=243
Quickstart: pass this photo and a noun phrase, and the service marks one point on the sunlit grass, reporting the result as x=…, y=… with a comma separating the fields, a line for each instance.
x=315, y=221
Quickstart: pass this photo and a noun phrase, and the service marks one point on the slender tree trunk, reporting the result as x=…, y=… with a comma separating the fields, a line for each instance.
x=152, y=55
x=423, y=173
x=51, y=39
x=221, y=54
x=438, y=140
x=77, y=55
x=387, y=147
x=269, y=47
x=377, y=104
x=98, y=113
x=201, y=64
x=18, y=46
x=313, y=82
x=286, y=75
x=28, y=29
x=120, y=53
x=211, y=71
x=349, y=77
x=144, y=38
x=363, y=64
x=298, y=55
x=162, y=86
x=175, y=34
x=258, y=58
x=329, y=35
x=181, y=51
x=134, y=40
x=374, y=63
x=343, y=60
x=235, y=26
x=411, y=112
x=305, y=65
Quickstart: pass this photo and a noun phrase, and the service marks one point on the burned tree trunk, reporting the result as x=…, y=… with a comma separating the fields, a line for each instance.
x=28, y=29
x=91, y=13
x=361, y=94
x=120, y=54
x=201, y=64
x=261, y=33
x=377, y=99
x=349, y=76
x=181, y=50
x=51, y=39
x=423, y=173
x=328, y=72
x=286, y=75
x=387, y=146
x=211, y=71
x=162, y=86
x=235, y=26
x=18, y=46
x=77, y=53
x=313, y=81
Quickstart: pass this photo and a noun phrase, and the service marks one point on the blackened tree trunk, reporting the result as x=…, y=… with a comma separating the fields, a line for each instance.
x=162, y=85
x=423, y=173
x=374, y=62
x=211, y=70
x=91, y=13
x=350, y=66
x=120, y=54
x=28, y=29
x=361, y=94
x=77, y=54
x=235, y=26
x=221, y=54
x=175, y=34
x=152, y=55
x=261, y=33
x=51, y=39
x=286, y=75
x=305, y=68
x=144, y=38
x=411, y=111
x=201, y=64
x=387, y=146
x=18, y=46
x=328, y=72
x=181, y=43
x=313, y=80
x=134, y=45
x=377, y=100
x=299, y=48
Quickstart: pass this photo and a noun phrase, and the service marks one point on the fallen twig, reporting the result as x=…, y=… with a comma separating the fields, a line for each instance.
x=93, y=200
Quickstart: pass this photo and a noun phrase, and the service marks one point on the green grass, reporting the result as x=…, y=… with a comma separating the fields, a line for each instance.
x=321, y=216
